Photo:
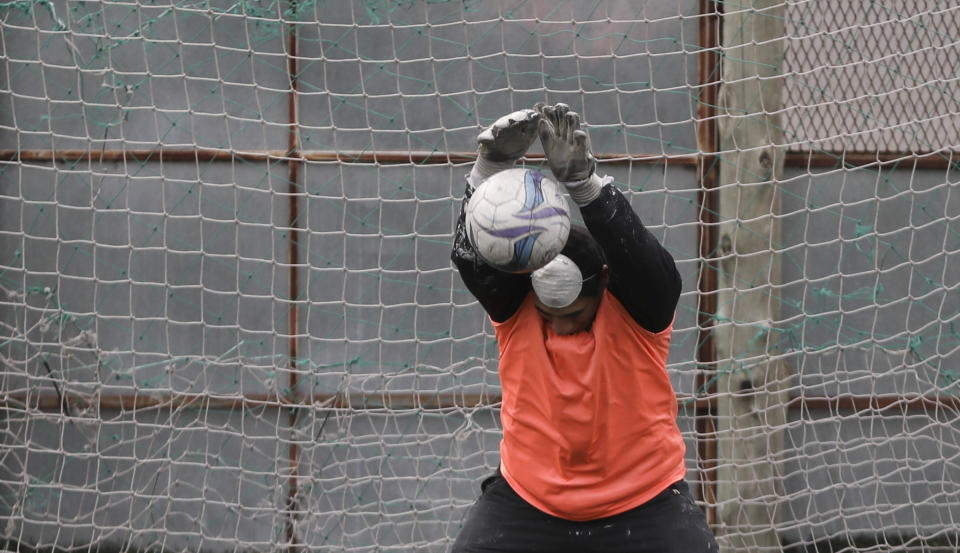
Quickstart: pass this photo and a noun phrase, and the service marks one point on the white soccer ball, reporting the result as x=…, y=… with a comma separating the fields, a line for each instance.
x=518, y=220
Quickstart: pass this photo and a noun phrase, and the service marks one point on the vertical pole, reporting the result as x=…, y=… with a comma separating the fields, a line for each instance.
x=293, y=257
x=708, y=75
x=752, y=383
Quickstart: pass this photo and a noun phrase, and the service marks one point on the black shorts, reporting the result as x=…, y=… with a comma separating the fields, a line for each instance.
x=501, y=521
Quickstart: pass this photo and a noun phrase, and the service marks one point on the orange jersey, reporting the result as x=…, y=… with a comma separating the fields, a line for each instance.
x=589, y=420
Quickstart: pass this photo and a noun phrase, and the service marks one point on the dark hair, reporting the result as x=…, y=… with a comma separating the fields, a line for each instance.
x=584, y=250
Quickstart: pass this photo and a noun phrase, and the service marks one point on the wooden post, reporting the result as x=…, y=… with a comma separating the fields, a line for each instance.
x=752, y=388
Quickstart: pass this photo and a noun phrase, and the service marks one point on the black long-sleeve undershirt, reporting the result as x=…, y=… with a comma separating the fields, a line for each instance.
x=643, y=275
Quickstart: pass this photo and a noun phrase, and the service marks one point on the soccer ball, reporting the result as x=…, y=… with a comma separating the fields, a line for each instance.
x=518, y=220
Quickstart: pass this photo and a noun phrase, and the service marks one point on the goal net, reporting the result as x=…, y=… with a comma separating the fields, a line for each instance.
x=229, y=321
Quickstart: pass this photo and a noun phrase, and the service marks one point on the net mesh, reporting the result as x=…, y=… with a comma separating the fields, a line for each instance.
x=228, y=319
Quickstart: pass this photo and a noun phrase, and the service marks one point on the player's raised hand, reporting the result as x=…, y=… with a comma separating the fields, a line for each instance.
x=565, y=144
x=509, y=137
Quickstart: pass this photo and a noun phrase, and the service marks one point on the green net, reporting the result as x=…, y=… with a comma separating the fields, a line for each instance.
x=229, y=322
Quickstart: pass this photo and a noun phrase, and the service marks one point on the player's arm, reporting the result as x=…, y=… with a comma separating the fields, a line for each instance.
x=498, y=292
x=643, y=275
x=499, y=148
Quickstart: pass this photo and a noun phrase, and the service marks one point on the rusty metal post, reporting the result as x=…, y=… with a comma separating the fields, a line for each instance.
x=293, y=292
x=708, y=67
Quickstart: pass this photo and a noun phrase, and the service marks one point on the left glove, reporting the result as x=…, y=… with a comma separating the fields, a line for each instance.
x=501, y=144
x=509, y=137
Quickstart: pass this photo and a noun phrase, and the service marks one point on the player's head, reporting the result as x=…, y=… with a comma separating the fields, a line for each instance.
x=567, y=290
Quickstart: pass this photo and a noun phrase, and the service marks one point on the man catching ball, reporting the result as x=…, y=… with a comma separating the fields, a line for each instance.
x=591, y=457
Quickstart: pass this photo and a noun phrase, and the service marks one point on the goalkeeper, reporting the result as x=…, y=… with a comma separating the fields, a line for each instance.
x=591, y=457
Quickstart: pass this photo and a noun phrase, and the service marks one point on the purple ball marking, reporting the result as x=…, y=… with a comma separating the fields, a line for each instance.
x=544, y=213
x=533, y=191
x=522, y=250
x=512, y=232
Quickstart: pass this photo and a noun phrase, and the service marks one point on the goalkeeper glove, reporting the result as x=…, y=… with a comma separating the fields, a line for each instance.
x=567, y=148
x=504, y=142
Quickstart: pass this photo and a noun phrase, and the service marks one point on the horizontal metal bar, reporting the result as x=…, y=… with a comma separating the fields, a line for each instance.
x=851, y=403
x=923, y=160
x=50, y=401
x=359, y=157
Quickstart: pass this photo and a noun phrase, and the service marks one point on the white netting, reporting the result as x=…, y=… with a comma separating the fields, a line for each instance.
x=228, y=320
